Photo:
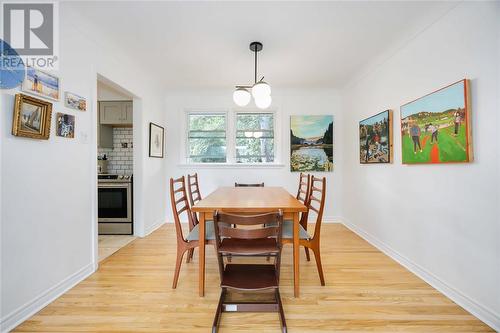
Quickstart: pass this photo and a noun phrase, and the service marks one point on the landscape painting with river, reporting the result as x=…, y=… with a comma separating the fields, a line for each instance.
x=311, y=143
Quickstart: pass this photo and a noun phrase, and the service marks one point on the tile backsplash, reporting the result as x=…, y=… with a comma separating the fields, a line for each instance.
x=120, y=158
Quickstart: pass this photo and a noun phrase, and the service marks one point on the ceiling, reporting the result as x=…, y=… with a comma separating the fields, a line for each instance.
x=306, y=44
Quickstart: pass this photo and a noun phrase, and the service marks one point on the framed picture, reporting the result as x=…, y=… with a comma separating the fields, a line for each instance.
x=311, y=143
x=156, y=140
x=436, y=128
x=40, y=83
x=73, y=101
x=31, y=117
x=65, y=125
x=375, y=138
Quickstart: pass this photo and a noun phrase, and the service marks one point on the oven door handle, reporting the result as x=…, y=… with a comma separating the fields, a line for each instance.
x=113, y=185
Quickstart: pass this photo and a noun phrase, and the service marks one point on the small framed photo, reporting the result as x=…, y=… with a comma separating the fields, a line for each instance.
x=40, y=83
x=156, y=140
x=31, y=117
x=65, y=125
x=73, y=101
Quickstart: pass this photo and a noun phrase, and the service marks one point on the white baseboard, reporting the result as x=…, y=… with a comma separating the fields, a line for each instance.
x=153, y=227
x=480, y=311
x=27, y=310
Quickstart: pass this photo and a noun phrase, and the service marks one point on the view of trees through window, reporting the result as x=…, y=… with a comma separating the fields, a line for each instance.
x=207, y=138
x=254, y=137
x=207, y=141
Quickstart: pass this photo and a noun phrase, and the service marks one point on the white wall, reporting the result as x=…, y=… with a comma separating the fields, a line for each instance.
x=48, y=189
x=286, y=103
x=441, y=221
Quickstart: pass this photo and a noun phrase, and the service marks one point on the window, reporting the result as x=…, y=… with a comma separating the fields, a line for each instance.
x=254, y=137
x=207, y=137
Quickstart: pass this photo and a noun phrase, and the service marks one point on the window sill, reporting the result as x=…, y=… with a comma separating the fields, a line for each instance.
x=231, y=165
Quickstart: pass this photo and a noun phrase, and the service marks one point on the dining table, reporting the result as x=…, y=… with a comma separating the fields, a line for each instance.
x=249, y=200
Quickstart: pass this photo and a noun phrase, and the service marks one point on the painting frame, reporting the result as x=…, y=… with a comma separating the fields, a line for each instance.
x=156, y=129
x=36, y=88
x=311, y=143
x=390, y=138
x=21, y=118
x=68, y=120
x=72, y=103
x=462, y=129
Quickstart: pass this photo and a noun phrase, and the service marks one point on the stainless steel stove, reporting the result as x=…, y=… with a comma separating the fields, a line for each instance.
x=115, y=216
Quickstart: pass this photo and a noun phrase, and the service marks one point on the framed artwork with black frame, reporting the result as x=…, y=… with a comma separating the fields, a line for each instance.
x=156, y=140
x=375, y=139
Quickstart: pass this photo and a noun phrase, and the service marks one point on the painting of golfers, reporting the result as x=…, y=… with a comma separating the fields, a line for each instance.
x=311, y=141
x=41, y=83
x=375, y=138
x=436, y=128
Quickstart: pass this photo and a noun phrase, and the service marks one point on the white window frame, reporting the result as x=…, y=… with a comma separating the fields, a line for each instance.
x=186, y=134
x=234, y=130
x=231, y=139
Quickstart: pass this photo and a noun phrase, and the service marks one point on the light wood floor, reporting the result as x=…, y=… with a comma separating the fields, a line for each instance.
x=109, y=244
x=365, y=292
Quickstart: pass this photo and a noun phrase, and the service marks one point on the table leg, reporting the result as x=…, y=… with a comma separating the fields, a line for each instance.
x=296, y=258
x=201, y=241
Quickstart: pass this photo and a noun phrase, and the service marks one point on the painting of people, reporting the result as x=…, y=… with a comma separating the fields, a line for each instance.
x=375, y=138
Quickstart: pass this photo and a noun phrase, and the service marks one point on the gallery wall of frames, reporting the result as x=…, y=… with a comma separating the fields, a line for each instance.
x=33, y=107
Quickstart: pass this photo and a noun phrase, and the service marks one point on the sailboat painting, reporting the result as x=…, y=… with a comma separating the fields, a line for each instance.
x=31, y=117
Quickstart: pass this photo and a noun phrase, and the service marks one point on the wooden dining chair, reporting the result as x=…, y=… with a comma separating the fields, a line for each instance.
x=303, y=197
x=249, y=185
x=252, y=240
x=180, y=205
x=315, y=202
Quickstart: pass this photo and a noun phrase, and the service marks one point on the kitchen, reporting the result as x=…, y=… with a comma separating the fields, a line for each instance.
x=115, y=168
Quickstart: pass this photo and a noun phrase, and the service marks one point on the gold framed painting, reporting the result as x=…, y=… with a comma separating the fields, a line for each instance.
x=31, y=117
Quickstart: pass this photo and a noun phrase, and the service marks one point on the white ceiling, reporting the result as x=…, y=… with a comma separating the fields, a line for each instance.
x=306, y=44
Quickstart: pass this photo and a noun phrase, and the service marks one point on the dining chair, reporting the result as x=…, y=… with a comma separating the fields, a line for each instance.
x=315, y=202
x=253, y=240
x=180, y=205
x=249, y=185
x=194, y=196
x=303, y=197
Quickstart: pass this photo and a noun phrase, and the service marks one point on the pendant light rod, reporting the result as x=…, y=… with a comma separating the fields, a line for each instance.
x=255, y=47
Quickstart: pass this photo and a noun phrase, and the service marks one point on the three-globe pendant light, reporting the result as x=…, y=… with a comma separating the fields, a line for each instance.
x=261, y=91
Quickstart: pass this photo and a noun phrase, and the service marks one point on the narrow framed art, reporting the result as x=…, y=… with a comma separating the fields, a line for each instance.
x=65, y=125
x=436, y=128
x=375, y=139
x=156, y=140
x=73, y=101
x=31, y=117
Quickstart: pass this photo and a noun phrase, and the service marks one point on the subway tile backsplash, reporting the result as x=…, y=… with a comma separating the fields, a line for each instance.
x=120, y=158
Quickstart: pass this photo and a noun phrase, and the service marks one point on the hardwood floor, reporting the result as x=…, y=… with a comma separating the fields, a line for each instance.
x=109, y=244
x=365, y=291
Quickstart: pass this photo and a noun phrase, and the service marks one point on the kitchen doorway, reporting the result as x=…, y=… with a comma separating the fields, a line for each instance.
x=115, y=168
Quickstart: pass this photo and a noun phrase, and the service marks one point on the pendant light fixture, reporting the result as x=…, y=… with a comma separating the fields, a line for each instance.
x=261, y=91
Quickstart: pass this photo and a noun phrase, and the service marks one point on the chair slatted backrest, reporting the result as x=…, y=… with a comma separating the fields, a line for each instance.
x=180, y=204
x=194, y=194
x=317, y=194
x=249, y=185
x=229, y=226
x=303, y=195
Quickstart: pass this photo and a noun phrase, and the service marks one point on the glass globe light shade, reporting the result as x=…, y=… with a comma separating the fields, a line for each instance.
x=263, y=102
x=257, y=135
x=248, y=134
x=241, y=97
x=261, y=89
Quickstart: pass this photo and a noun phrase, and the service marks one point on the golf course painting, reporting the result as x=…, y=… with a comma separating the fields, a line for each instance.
x=436, y=128
x=311, y=141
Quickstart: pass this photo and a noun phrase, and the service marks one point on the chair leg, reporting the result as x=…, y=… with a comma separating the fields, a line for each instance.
x=189, y=256
x=178, y=263
x=317, y=256
x=281, y=312
x=229, y=257
x=307, y=254
x=218, y=312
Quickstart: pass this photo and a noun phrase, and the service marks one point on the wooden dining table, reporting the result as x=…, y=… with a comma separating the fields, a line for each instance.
x=249, y=200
